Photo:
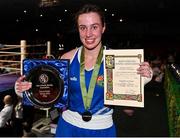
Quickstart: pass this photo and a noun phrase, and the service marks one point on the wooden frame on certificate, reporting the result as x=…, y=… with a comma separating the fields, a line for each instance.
x=122, y=85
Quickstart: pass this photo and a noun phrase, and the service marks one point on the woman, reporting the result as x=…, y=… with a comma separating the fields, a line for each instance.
x=86, y=114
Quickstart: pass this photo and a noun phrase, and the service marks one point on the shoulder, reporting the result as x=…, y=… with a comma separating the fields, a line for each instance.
x=69, y=54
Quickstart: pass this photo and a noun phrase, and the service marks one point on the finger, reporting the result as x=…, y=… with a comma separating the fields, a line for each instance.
x=21, y=78
x=144, y=64
x=23, y=86
x=145, y=73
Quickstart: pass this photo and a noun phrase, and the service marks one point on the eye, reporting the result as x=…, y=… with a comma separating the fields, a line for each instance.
x=95, y=27
x=82, y=28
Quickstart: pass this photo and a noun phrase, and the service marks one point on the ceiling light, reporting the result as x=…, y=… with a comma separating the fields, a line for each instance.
x=48, y=3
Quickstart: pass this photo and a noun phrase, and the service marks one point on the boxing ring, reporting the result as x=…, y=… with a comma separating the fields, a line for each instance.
x=11, y=67
x=11, y=60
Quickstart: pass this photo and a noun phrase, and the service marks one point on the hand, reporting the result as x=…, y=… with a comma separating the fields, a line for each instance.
x=145, y=70
x=21, y=85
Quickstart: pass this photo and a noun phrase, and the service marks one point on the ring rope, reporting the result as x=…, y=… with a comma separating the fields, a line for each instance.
x=6, y=74
x=13, y=64
x=11, y=45
x=15, y=53
x=4, y=52
x=7, y=47
x=9, y=55
x=11, y=68
x=10, y=61
x=25, y=46
x=7, y=51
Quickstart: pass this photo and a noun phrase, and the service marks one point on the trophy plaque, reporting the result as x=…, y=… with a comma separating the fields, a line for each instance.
x=49, y=82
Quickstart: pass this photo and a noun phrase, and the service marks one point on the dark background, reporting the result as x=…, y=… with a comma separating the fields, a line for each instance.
x=149, y=24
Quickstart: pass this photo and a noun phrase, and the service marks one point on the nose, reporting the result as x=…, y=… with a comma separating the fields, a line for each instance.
x=89, y=32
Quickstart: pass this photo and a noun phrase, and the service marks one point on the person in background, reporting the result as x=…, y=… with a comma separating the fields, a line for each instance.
x=5, y=117
x=18, y=118
x=6, y=112
x=86, y=114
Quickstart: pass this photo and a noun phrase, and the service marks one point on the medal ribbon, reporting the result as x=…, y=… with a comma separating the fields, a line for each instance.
x=87, y=96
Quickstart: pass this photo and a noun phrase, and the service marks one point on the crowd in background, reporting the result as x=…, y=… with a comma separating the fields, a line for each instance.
x=15, y=119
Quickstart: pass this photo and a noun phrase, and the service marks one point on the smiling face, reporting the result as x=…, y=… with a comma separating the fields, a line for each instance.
x=90, y=29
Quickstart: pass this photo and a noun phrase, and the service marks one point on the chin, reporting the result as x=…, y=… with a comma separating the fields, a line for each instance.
x=90, y=47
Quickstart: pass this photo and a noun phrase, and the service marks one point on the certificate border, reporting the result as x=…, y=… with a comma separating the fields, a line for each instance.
x=109, y=65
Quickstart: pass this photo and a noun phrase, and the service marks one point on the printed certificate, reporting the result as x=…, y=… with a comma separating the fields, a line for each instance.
x=122, y=85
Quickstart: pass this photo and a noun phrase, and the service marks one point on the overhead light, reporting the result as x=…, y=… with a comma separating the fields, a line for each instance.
x=48, y=3
x=121, y=20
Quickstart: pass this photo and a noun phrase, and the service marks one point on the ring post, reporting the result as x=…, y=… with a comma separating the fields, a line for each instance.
x=23, y=53
x=48, y=48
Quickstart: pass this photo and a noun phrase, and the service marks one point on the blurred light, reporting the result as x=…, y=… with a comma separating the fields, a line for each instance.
x=112, y=14
x=61, y=46
x=17, y=20
x=177, y=71
x=48, y=3
x=105, y=10
x=173, y=66
x=121, y=20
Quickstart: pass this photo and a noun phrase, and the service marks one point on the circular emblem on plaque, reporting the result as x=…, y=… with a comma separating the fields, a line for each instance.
x=43, y=78
x=47, y=85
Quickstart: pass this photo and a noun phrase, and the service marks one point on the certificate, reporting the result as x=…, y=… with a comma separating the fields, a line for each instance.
x=122, y=85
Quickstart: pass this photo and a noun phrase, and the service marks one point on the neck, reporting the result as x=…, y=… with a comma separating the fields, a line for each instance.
x=90, y=57
x=92, y=53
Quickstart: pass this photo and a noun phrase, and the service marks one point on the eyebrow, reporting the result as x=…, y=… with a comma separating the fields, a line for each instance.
x=90, y=25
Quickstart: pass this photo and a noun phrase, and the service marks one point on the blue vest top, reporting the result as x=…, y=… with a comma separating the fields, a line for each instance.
x=75, y=96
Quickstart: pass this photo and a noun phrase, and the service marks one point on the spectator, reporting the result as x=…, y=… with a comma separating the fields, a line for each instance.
x=5, y=117
x=18, y=120
x=6, y=112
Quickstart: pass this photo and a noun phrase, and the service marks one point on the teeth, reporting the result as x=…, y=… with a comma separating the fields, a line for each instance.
x=89, y=40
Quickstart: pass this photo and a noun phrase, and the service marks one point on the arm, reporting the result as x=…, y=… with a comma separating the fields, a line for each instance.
x=5, y=115
x=69, y=55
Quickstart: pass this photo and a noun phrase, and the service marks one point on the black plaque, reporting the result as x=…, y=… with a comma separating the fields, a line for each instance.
x=47, y=86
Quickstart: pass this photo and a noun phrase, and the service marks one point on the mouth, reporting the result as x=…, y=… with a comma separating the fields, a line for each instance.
x=89, y=41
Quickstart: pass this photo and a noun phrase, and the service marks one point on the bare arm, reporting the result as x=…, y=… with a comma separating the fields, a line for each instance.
x=69, y=55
